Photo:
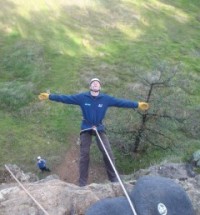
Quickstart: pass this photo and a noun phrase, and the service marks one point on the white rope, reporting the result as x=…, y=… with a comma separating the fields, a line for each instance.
x=45, y=212
x=119, y=179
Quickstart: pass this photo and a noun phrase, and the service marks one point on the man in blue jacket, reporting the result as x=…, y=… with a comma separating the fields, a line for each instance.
x=94, y=106
x=41, y=163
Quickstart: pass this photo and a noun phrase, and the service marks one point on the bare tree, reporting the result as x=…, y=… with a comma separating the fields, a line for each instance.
x=159, y=90
x=159, y=125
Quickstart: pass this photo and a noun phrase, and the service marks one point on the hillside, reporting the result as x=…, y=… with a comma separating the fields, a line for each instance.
x=58, y=46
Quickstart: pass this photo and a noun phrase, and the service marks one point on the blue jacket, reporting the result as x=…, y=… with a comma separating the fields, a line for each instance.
x=93, y=108
x=41, y=163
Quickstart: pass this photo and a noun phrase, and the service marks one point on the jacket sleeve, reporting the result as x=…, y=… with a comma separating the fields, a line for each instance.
x=124, y=103
x=67, y=99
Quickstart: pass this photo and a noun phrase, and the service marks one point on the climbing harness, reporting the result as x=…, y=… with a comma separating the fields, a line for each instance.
x=113, y=166
x=37, y=203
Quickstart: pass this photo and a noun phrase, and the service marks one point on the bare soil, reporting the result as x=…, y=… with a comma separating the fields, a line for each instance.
x=68, y=170
x=5, y=176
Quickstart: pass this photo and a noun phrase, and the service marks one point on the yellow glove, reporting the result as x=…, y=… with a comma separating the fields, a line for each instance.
x=43, y=96
x=143, y=106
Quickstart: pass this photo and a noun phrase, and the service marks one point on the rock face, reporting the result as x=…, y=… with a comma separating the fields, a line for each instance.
x=55, y=196
x=61, y=198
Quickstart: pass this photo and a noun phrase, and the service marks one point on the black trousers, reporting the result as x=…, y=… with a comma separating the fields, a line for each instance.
x=45, y=169
x=86, y=140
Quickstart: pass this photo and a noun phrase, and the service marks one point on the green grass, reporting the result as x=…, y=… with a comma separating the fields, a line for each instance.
x=58, y=46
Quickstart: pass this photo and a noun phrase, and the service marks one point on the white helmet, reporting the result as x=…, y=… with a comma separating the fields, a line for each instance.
x=38, y=157
x=94, y=79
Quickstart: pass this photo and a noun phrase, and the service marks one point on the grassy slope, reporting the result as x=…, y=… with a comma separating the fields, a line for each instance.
x=59, y=45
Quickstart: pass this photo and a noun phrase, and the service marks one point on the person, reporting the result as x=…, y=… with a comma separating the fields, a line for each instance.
x=94, y=105
x=41, y=163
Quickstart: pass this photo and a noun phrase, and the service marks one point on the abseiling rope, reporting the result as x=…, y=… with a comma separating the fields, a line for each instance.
x=119, y=179
x=38, y=204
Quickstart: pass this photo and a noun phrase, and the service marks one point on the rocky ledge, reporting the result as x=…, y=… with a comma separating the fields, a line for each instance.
x=61, y=198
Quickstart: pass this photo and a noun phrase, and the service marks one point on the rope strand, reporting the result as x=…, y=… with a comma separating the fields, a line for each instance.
x=21, y=185
x=113, y=166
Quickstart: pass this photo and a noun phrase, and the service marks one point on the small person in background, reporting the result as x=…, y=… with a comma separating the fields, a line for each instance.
x=41, y=163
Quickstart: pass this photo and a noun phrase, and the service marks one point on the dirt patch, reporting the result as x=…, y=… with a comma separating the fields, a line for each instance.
x=68, y=170
x=5, y=177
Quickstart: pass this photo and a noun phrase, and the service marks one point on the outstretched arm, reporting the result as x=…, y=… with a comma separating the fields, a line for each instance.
x=116, y=102
x=68, y=99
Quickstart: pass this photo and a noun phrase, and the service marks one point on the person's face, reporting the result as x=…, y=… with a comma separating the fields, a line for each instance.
x=95, y=86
